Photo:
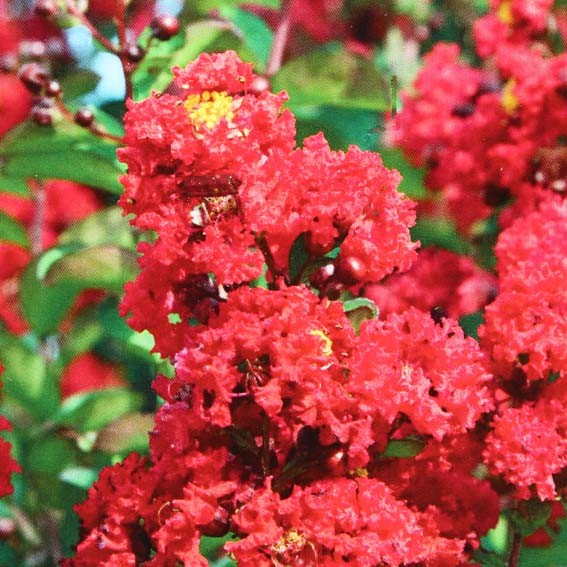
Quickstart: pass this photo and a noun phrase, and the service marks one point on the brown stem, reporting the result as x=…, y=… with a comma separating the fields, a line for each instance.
x=105, y=42
x=280, y=39
x=127, y=66
x=98, y=131
x=93, y=128
x=514, y=557
x=38, y=219
x=276, y=272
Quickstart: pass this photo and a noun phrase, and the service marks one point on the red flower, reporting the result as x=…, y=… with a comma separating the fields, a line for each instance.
x=9, y=465
x=532, y=300
x=337, y=522
x=438, y=279
x=430, y=373
x=87, y=372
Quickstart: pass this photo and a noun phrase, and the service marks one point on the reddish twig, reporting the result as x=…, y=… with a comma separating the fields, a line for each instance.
x=280, y=39
x=514, y=557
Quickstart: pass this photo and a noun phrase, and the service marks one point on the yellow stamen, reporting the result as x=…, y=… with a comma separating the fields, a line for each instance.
x=328, y=343
x=509, y=100
x=359, y=472
x=504, y=13
x=209, y=108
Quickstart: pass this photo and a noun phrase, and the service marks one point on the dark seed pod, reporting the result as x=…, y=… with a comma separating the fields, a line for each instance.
x=45, y=8
x=350, y=270
x=134, y=53
x=41, y=115
x=84, y=117
x=52, y=89
x=34, y=77
x=164, y=27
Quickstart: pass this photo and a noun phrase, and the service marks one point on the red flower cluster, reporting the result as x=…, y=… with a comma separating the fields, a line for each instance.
x=9, y=466
x=440, y=281
x=215, y=173
x=490, y=134
x=526, y=333
x=486, y=135
x=277, y=424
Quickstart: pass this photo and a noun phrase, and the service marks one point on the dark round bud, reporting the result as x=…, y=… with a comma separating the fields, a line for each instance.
x=41, y=115
x=52, y=89
x=259, y=85
x=7, y=527
x=463, y=110
x=164, y=27
x=322, y=275
x=84, y=117
x=314, y=248
x=8, y=63
x=34, y=77
x=438, y=313
x=332, y=290
x=350, y=270
x=218, y=527
x=134, y=53
x=495, y=195
x=45, y=8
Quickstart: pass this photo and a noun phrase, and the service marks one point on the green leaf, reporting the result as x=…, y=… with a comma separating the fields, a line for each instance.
x=13, y=185
x=360, y=309
x=63, y=151
x=44, y=306
x=439, y=232
x=82, y=477
x=256, y=34
x=332, y=76
x=412, y=177
x=48, y=455
x=297, y=257
x=26, y=378
x=127, y=433
x=471, y=322
x=79, y=82
x=103, y=227
x=530, y=516
x=12, y=231
x=105, y=266
x=489, y=558
x=205, y=6
x=154, y=71
x=92, y=411
x=404, y=448
x=551, y=556
x=496, y=539
x=211, y=548
x=342, y=126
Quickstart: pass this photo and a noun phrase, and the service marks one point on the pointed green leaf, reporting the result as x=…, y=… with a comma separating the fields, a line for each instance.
x=26, y=378
x=63, y=151
x=92, y=411
x=43, y=306
x=256, y=34
x=332, y=76
x=103, y=227
x=105, y=266
x=404, y=448
x=12, y=231
x=439, y=232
